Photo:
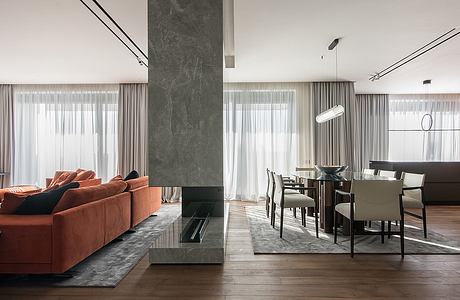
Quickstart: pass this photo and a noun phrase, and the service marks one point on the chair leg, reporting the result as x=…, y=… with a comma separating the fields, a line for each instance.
x=401, y=233
x=295, y=212
x=389, y=229
x=316, y=223
x=335, y=227
x=273, y=215
x=352, y=238
x=281, y=221
x=370, y=224
x=425, y=234
x=267, y=207
x=382, y=230
x=302, y=215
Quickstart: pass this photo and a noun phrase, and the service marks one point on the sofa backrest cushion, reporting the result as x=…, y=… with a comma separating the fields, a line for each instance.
x=90, y=182
x=137, y=183
x=44, y=203
x=77, y=197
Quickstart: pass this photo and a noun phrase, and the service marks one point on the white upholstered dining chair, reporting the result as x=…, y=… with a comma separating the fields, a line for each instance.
x=375, y=200
x=385, y=173
x=284, y=199
x=413, y=196
x=369, y=171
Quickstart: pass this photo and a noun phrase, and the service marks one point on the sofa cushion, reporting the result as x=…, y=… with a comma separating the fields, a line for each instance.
x=83, y=195
x=137, y=183
x=11, y=203
x=132, y=175
x=44, y=203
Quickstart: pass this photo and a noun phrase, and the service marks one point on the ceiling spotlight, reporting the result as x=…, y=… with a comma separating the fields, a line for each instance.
x=427, y=81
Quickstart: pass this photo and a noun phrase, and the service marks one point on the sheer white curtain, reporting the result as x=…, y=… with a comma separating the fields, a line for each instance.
x=260, y=131
x=64, y=127
x=411, y=137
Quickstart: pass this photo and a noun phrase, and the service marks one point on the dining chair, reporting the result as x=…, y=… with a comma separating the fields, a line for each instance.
x=299, y=200
x=414, y=196
x=271, y=187
x=268, y=193
x=384, y=173
x=369, y=171
x=375, y=200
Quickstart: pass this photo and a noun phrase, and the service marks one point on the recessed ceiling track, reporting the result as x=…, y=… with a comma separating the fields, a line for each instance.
x=138, y=57
x=422, y=50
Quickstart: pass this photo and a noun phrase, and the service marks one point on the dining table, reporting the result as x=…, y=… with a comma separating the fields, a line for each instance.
x=326, y=185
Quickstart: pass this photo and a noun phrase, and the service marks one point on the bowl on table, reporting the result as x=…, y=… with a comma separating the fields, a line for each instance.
x=331, y=170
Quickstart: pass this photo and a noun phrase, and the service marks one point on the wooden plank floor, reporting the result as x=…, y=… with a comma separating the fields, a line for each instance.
x=249, y=276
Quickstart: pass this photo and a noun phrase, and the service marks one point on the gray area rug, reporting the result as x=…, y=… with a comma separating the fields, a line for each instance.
x=109, y=265
x=298, y=239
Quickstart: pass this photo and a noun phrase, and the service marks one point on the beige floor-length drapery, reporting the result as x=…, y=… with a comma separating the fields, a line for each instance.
x=132, y=129
x=6, y=131
x=371, y=130
x=334, y=139
x=133, y=134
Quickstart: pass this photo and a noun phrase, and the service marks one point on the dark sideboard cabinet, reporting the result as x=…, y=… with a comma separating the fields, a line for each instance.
x=442, y=180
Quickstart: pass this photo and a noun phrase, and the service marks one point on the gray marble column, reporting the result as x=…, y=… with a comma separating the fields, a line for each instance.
x=185, y=93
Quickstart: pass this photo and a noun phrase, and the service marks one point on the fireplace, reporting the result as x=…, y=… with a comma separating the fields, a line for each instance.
x=199, y=204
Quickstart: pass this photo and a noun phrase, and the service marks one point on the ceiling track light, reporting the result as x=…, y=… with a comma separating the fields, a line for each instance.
x=138, y=57
x=417, y=53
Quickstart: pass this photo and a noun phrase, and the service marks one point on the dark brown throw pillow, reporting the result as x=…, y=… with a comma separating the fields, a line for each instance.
x=132, y=175
x=44, y=203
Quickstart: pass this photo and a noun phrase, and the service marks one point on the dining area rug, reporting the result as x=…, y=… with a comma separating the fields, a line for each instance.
x=298, y=239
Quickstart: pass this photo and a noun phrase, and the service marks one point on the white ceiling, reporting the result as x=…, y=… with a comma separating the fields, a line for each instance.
x=59, y=41
x=283, y=41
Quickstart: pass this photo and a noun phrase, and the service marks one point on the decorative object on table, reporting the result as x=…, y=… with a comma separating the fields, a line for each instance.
x=331, y=170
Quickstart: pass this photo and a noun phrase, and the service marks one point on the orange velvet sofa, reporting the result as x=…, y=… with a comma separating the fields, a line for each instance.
x=145, y=200
x=84, y=220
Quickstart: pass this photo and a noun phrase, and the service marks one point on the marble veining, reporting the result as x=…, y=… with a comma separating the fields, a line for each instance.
x=185, y=93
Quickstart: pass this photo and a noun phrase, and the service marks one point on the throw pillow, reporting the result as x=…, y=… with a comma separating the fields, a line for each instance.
x=68, y=179
x=132, y=175
x=116, y=178
x=44, y=203
x=85, y=175
x=11, y=203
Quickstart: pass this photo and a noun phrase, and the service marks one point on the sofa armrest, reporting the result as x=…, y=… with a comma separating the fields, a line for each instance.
x=77, y=233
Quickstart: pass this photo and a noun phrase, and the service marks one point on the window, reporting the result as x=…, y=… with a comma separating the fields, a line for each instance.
x=64, y=128
x=259, y=133
x=424, y=127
